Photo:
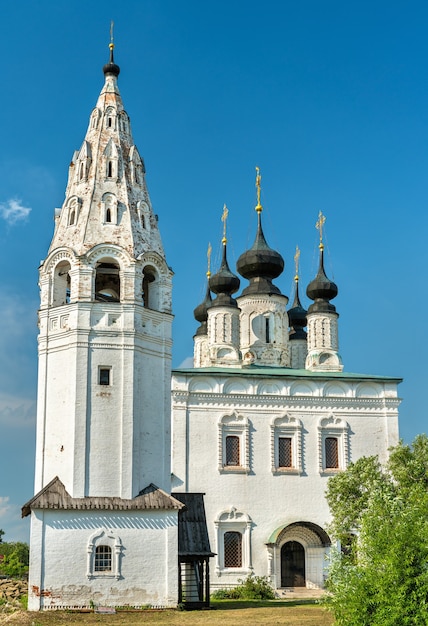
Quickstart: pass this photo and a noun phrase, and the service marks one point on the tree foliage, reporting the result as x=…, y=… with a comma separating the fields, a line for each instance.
x=14, y=558
x=382, y=579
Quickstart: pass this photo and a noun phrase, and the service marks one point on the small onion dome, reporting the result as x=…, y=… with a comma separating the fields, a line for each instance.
x=111, y=67
x=260, y=264
x=321, y=289
x=297, y=317
x=201, y=313
x=224, y=283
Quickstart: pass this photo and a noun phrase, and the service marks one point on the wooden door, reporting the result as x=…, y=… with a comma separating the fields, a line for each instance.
x=293, y=565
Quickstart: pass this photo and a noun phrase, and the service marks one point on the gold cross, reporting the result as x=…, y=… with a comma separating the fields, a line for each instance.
x=320, y=223
x=224, y=219
x=296, y=263
x=209, y=260
x=259, y=207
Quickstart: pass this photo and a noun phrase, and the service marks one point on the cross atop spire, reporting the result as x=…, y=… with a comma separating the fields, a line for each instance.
x=209, y=251
x=259, y=207
x=296, y=264
x=111, y=67
x=319, y=226
x=224, y=220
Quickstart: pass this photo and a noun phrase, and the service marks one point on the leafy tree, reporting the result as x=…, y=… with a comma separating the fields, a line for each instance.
x=1, y=535
x=15, y=558
x=382, y=579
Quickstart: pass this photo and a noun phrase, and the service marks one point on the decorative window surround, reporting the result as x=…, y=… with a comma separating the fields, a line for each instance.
x=334, y=427
x=73, y=209
x=112, y=541
x=109, y=209
x=233, y=520
x=286, y=426
x=238, y=426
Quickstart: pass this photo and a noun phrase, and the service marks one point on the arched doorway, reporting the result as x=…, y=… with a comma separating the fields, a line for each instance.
x=293, y=565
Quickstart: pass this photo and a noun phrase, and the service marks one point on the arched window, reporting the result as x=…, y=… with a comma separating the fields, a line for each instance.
x=109, y=208
x=107, y=282
x=103, y=561
x=232, y=549
x=61, y=284
x=104, y=555
x=82, y=171
x=109, y=169
x=149, y=290
x=72, y=217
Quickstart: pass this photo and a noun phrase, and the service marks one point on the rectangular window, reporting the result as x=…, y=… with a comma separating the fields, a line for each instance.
x=331, y=453
x=232, y=450
x=232, y=549
x=104, y=376
x=285, y=457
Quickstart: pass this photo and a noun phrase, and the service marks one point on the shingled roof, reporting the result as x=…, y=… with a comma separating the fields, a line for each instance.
x=193, y=540
x=55, y=496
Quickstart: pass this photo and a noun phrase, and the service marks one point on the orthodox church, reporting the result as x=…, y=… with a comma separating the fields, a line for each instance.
x=137, y=491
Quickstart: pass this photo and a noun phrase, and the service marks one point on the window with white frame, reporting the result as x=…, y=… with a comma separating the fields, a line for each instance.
x=103, y=559
x=233, y=534
x=104, y=555
x=233, y=445
x=286, y=445
x=333, y=444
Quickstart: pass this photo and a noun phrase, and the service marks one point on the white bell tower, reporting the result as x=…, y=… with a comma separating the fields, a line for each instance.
x=105, y=321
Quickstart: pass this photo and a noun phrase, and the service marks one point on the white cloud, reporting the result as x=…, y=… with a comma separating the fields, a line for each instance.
x=13, y=211
x=17, y=411
x=4, y=506
x=187, y=363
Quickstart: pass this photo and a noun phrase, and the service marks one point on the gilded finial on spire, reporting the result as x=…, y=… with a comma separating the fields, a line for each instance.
x=209, y=260
x=296, y=264
x=224, y=219
x=259, y=207
x=319, y=226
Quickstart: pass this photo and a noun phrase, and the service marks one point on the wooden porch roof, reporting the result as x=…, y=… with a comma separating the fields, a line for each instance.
x=55, y=496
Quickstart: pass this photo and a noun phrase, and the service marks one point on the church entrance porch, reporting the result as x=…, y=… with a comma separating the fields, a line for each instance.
x=293, y=565
x=296, y=556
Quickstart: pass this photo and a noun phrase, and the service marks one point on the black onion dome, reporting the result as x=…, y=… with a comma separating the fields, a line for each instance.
x=111, y=67
x=260, y=264
x=297, y=318
x=224, y=283
x=321, y=289
x=201, y=313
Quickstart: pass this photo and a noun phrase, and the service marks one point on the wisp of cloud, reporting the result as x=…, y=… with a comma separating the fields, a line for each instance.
x=13, y=211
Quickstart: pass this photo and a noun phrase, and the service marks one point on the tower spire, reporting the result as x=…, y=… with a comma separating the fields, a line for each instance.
x=111, y=67
x=323, y=342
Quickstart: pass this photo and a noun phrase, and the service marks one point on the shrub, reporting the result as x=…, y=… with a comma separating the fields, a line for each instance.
x=252, y=588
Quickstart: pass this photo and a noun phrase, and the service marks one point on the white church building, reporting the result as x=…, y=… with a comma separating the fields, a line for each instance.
x=258, y=425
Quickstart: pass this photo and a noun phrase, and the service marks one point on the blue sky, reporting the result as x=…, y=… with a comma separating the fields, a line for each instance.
x=329, y=99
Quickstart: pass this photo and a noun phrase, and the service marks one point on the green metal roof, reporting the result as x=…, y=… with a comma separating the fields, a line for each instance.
x=282, y=372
